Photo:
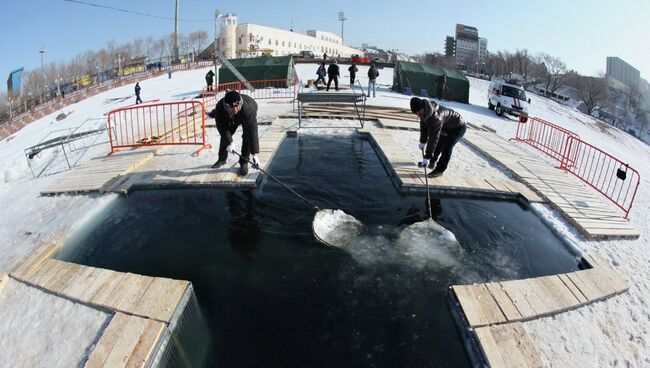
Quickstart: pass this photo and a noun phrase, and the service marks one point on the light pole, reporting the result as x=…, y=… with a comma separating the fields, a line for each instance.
x=342, y=19
x=42, y=52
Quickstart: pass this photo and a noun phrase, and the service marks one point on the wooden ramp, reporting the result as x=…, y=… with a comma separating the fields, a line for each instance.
x=143, y=306
x=493, y=311
x=409, y=178
x=578, y=204
x=93, y=175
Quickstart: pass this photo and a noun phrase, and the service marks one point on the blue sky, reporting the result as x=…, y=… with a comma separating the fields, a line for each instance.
x=582, y=33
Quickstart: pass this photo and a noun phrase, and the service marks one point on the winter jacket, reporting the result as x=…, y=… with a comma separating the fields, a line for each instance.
x=137, y=89
x=353, y=70
x=333, y=70
x=209, y=77
x=373, y=73
x=246, y=117
x=321, y=71
x=436, y=121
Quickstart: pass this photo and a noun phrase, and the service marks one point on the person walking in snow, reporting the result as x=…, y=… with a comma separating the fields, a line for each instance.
x=137, y=93
x=440, y=129
x=321, y=72
x=373, y=73
x=209, y=79
x=441, y=85
x=353, y=73
x=230, y=112
x=333, y=75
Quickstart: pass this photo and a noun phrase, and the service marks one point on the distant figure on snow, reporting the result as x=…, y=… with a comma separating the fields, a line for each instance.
x=137, y=93
x=324, y=57
x=321, y=73
x=209, y=79
x=353, y=73
x=333, y=75
x=373, y=73
x=230, y=112
x=441, y=85
x=440, y=129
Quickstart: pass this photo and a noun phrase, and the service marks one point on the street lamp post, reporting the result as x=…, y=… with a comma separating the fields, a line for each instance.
x=217, y=13
x=342, y=19
x=42, y=52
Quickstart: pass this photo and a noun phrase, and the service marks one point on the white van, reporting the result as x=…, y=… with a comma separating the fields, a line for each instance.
x=510, y=98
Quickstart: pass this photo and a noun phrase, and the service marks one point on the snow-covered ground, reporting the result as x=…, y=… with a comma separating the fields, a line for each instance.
x=613, y=332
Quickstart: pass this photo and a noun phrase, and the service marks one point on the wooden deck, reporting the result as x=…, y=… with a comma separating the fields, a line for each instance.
x=94, y=175
x=143, y=307
x=494, y=311
x=409, y=178
x=581, y=206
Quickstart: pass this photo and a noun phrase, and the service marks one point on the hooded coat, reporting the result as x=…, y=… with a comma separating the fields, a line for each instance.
x=435, y=121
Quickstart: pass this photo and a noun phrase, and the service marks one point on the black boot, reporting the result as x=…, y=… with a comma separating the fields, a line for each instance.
x=243, y=170
x=218, y=164
x=435, y=174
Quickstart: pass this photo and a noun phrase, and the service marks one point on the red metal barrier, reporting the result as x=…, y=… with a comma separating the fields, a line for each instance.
x=608, y=175
x=546, y=137
x=263, y=89
x=162, y=124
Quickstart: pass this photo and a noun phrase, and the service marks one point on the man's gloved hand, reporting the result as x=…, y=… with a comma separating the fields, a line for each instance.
x=255, y=162
x=230, y=148
x=421, y=146
x=423, y=163
x=211, y=114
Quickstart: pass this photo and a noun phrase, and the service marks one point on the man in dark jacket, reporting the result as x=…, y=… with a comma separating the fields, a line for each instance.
x=230, y=112
x=209, y=79
x=321, y=72
x=353, y=73
x=373, y=73
x=440, y=129
x=441, y=85
x=137, y=93
x=333, y=75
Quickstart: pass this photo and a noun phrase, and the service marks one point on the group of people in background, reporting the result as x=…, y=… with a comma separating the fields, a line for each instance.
x=333, y=72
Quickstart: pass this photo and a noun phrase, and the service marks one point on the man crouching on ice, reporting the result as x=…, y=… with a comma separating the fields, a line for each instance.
x=440, y=129
x=230, y=112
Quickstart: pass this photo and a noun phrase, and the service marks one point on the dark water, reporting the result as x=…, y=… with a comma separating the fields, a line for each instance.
x=272, y=296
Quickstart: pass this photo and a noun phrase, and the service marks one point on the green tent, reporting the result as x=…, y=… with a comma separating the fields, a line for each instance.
x=260, y=68
x=425, y=77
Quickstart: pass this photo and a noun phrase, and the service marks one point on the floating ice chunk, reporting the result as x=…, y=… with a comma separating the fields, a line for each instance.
x=336, y=228
x=429, y=241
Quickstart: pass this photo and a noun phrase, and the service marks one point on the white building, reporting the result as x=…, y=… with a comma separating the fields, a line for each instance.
x=482, y=49
x=244, y=40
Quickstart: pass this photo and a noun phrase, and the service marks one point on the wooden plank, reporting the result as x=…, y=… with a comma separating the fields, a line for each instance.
x=110, y=337
x=519, y=298
x=4, y=280
x=127, y=342
x=127, y=293
x=101, y=296
x=85, y=290
x=478, y=305
x=553, y=289
x=47, y=271
x=509, y=346
x=505, y=304
x=161, y=299
x=34, y=260
x=66, y=271
x=144, y=348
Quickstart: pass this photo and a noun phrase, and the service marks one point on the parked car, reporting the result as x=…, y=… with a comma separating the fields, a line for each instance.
x=506, y=97
x=304, y=55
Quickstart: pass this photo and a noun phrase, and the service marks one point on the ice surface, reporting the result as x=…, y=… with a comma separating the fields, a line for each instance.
x=336, y=228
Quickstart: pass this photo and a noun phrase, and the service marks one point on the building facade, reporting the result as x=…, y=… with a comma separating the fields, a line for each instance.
x=482, y=49
x=250, y=40
x=622, y=72
x=450, y=47
x=467, y=46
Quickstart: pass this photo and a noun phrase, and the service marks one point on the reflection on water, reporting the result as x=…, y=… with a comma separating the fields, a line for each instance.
x=273, y=296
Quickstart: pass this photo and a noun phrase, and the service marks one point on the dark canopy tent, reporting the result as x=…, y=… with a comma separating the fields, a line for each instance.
x=422, y=76
x=260, y=68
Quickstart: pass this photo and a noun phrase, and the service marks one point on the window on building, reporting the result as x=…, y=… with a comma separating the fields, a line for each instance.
x=269, y=41
x=282, y=43
x=276, y=42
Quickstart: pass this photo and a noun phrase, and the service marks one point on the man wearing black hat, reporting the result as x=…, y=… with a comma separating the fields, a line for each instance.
x=230, y=112
x=440, y=129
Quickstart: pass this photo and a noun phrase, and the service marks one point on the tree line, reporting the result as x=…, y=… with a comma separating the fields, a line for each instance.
x=38, y=85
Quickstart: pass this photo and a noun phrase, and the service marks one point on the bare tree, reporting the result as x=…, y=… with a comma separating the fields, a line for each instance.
x=522, y=61
x=592, y=90
x=555, y=71
x=439, y=59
